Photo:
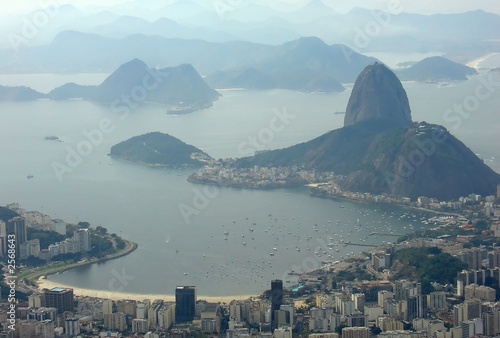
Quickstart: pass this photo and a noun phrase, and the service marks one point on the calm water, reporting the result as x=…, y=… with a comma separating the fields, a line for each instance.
x=144, y=204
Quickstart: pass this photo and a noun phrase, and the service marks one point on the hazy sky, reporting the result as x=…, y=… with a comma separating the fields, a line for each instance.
x=414, y=6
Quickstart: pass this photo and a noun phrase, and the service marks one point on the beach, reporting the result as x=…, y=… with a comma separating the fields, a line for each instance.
x=44, y=283
x=476, y=62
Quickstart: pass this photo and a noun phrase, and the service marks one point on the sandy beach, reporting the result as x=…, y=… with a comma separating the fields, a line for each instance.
x=476, y=63
x=116, y=295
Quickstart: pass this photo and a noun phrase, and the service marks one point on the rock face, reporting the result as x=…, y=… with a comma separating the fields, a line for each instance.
x=378, y=95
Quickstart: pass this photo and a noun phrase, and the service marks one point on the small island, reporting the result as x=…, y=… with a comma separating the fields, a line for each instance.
x=436, y=69
x=160, y=151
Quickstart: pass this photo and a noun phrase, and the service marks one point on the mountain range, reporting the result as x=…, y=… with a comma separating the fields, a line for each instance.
x=180, y=88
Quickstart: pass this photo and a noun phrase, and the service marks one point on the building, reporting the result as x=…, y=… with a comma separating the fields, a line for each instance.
x=356, y=332
x=82, y=237
x=358, y=319
x=436, y=301
x=185, y=303
x=115, y=321
x=140, y=325
x=472, y=328
x=29, y=248
x=72, y=327
x=17, y=227
x=60, y=298
x=107, y=306
x=359, y=301
x=276, y=299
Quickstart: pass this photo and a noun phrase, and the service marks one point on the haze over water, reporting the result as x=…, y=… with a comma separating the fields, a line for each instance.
x=142, y=204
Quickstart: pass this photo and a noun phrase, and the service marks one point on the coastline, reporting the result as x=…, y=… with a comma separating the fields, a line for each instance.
x=34, y=275
x=119, y=295
x=364, y=202
x=39, y=278
x=476, y=62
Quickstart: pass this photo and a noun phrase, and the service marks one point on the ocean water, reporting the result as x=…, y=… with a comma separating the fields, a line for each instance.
x=225, y=241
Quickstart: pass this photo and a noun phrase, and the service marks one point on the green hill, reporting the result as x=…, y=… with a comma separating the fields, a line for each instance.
x=159, y=150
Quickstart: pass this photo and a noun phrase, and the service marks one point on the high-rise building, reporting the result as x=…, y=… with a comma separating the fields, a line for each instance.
x=276, y=299
x=355, y=332
x=82, y=237
x=107, y=306
x=72, y=327
x=185, y=303
x=60, y=298
x=17, y=227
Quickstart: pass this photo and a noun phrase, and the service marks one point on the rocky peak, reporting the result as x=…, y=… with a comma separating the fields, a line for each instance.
x=378, y=95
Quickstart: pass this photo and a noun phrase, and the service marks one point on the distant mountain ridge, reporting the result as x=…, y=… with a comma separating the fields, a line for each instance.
x=181, y=88
x=307, y=64
x=436, y=68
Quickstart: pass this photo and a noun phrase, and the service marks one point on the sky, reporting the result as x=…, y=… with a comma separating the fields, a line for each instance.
x=410, y=6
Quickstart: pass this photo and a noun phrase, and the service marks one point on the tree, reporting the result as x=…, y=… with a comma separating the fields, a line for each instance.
x=339, y=329
x=84, y=225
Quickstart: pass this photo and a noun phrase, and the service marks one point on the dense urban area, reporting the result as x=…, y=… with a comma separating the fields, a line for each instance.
x=439, y=283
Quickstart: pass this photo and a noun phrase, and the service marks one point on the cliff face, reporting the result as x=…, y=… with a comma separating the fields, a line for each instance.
x=378, y=95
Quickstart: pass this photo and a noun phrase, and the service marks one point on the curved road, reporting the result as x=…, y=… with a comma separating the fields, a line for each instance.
x=32, y=275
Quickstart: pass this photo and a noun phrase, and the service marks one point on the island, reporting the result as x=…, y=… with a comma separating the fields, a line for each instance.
x=160, y=151
x=436, y=69
x=180, y=89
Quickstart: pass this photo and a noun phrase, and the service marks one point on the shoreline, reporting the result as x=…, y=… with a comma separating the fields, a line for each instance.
x=40, y=279
x=34, y=276
x=120, y=295
x=476, y=62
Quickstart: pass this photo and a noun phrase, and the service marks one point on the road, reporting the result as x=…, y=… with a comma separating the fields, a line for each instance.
x=34, y=274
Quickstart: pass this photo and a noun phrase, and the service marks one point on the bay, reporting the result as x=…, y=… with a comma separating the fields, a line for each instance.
x=146, y=205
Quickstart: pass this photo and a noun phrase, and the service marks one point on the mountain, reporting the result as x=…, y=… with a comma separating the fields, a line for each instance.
x=311, y=11
x=306, y=64
x=180, y=87
x=378, y=94
x=436, y=68
x=400, y=158
x=19, y=94
x=159, y=150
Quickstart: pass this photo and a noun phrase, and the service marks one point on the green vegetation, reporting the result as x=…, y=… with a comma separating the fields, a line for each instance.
x=346, y=275
x=429, y=265
x=101, y=246
x=157, y=149
x=46, y=238
x=7, y=214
